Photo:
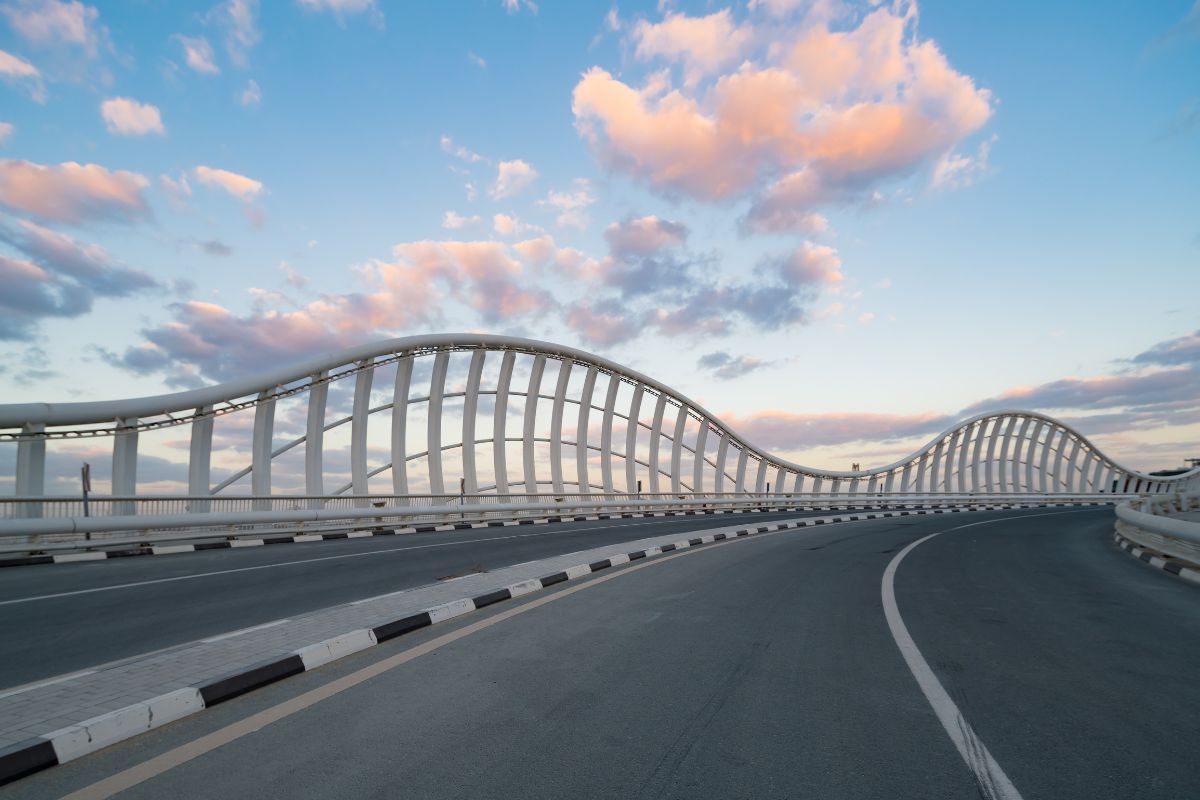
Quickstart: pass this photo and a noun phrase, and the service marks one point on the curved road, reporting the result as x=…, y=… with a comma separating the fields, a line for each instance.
x=757, y=668
x=60, y=618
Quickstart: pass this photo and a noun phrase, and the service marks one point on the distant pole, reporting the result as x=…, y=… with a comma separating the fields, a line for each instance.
x=85, y=480
x=462, y=495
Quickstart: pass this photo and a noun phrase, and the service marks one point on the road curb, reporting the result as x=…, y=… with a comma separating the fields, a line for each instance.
x=1157, y=560
x=67, y=744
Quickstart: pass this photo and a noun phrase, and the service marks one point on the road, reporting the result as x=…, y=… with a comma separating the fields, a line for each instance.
x=66, y=617
x=758, y=668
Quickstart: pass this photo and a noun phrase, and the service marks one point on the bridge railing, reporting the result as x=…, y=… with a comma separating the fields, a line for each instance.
x=166, y=518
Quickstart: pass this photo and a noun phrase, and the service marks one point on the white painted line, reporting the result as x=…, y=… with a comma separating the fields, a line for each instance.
x=30, y=687
x=360, y=534
x=618, y=559
x=232, y=634
x=308, y=537
x=363, y=554
x=992, y=781
x=246, y=543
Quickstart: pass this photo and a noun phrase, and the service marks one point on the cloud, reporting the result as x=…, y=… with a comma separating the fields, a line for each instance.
x=6, y=130
x=60, y=278
x=452, y=220
x=127, y=117
x=514, y=6
x=507, y=225
x=603, y=323
x=251, y=95
x=239, y=19
x=291, y=277
x=810, y=265
x=702, y=44
x=458, y=151
x=954, y=170
x=644, y=236
x=476, y=59
x=238, y=186
x=14, y=69
x=198, y=54
x=812, y=116
x=724, y=366
x=414, y=288
x=344, y=8
x=570, y=205
x=177, y=190
x=781, y=430
x=51, y=23
x=1100, y=392
x=1187, y=28
x=215, y=247
x=1184, y=350
x=512, y=177
x=73, y=193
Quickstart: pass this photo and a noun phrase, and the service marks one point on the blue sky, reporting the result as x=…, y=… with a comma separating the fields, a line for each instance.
x=905, y=213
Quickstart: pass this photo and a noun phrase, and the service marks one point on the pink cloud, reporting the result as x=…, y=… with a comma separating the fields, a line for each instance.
x=414, y=288
x=643, y=236
x=71, y=192
x=818, y=117
x=702, y=44
x=128, y=117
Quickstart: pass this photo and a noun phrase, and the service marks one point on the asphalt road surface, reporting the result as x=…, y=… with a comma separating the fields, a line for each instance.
x=65, y=617
x=758, y=668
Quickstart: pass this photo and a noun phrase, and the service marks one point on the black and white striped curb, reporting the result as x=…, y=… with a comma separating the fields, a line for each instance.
x=173, y=549
x=1155, y=559
x=67, y=744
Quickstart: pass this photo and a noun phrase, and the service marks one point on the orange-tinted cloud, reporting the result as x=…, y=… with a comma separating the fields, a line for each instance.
x=817, y=116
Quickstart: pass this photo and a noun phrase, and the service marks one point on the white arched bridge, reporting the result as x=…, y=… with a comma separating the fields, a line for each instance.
x=484, y=425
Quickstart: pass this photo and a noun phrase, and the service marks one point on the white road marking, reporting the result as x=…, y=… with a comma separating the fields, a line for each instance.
x=252, y=629
x=993, y=783
x=135, y=584
x=31, y=686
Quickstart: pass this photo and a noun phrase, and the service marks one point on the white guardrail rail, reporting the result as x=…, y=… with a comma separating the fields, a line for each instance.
x=159, y=518
x=1170, y=524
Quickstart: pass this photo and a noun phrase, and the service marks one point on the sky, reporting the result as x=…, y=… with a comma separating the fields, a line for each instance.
x=841, y=226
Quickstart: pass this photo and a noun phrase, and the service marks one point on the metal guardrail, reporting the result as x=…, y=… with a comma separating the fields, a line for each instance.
x=1153, y=515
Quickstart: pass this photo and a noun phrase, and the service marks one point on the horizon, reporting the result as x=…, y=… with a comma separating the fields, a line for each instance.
x=841, y=227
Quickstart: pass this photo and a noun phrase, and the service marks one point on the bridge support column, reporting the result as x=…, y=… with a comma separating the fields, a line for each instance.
x=314, y=439
x=260, y=451
x=358, y=431
x=124, y=465
x=200, y=460
x=31, y=468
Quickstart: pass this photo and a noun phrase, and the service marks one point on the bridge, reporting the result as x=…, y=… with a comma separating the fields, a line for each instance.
x=550, y=427
x=523, y=568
